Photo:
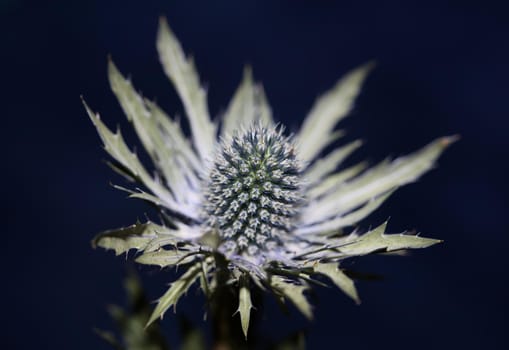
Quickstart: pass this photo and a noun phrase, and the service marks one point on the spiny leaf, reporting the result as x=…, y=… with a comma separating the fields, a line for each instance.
x=247, y=106
x=115, y=145
x=294, y=292
x=175, y=291
x=317, y=131
x=330, y=162
x=205, y=284
x=376, y=240
x=146, y=197
x=173, y=131
x=164, y=258
x=263, y=106
x=182, y=73
x=350, y=219
x=337, y=276
x=245, y=304
x=140, y=236
x=384, y=177
x=332, y=182
x=159, y=147
x=121, y=240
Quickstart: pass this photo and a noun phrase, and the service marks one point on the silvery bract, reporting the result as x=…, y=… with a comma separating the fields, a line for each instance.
x=243, y=196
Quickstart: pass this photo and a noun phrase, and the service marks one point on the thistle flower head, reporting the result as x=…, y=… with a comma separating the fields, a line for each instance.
x=274, y=207
x=253, y=192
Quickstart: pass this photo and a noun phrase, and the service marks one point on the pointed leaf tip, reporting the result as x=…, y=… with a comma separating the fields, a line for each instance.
x=163, y=22
x=340, y=279
x=446, y=141
x=317, y=131
x=182, y=73
x=245, y=305
x=293, y=292
x=121, y=240
x=386, y=176
x=248, y=72
x=377, y=241
x=247, y=106
x=90, y=113
x=176, y=290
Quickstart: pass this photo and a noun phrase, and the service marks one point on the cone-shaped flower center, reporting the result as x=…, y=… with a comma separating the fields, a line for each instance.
x=253, y=190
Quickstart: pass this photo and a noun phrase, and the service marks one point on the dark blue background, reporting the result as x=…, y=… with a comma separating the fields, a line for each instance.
x=443, y=68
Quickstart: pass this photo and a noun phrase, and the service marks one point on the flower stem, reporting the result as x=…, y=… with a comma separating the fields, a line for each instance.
x=222, y=321
x=223, y=304
x=226, y=326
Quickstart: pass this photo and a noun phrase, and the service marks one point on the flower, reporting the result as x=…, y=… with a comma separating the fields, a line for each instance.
x=243, y=197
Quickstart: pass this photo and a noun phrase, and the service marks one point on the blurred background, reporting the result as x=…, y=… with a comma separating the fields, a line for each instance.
x=442, y=68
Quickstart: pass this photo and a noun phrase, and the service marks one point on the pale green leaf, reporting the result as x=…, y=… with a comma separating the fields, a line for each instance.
x=182, y=73
x=165, y=257
x=176, y=290
x=264, y=110
x=245, y=305
x=140, y=194
x=377, y=241
x=121, y=240
x=349, y=219
x=205, y=284
x=115, y=145
x=293, y=292
x=333, y=181
x=148, y=236
x=317, y=131
x=385, y=177
x=339, y=278
x=170, y=237
x=330, y=162
x=121, y=170
x=146, y=197
x=172, y=130
x=159, y=147
x=247, y=106
x=211, y=238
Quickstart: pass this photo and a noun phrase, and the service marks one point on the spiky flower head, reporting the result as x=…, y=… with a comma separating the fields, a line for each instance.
x=246, y=199
x=253, y=192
